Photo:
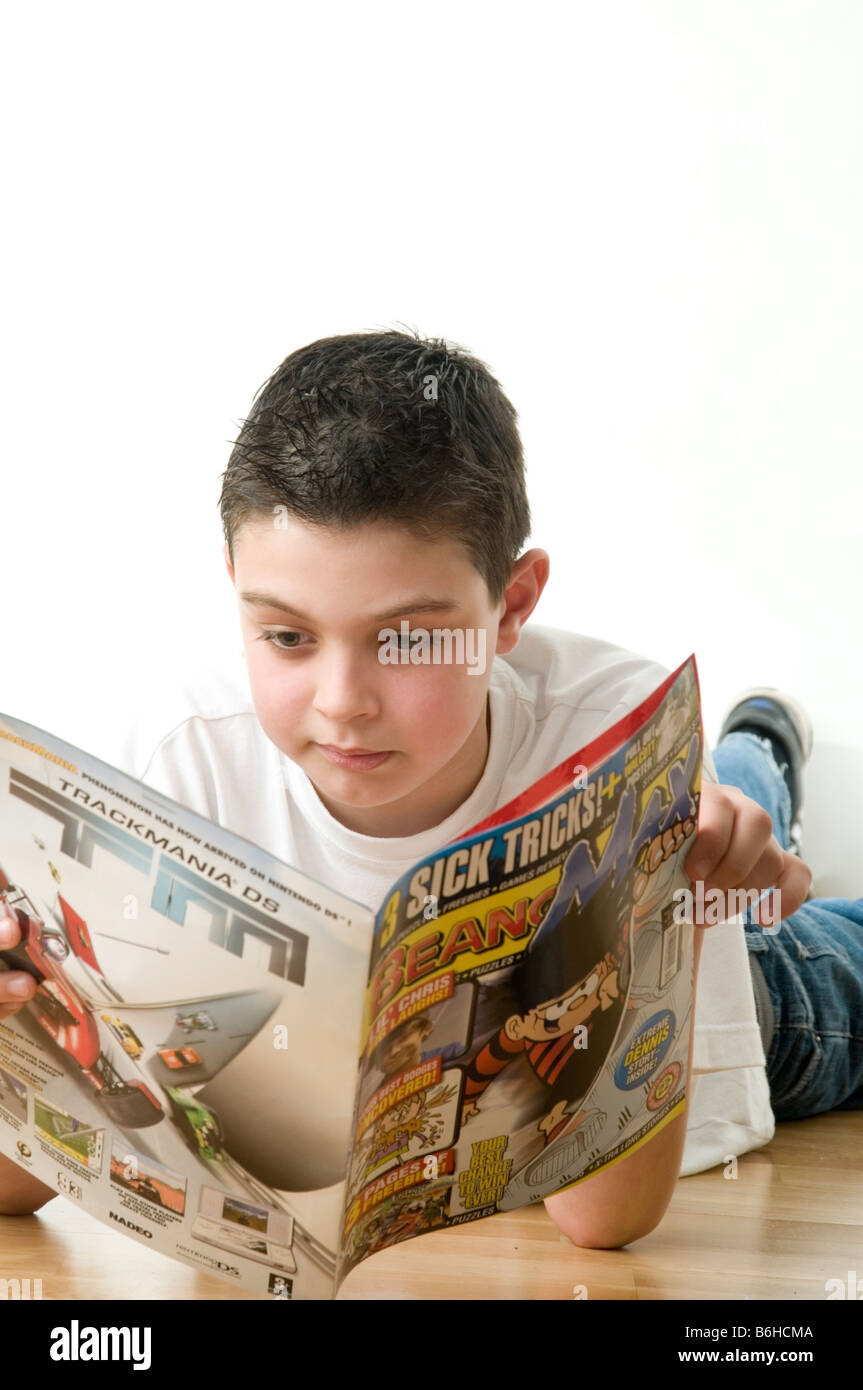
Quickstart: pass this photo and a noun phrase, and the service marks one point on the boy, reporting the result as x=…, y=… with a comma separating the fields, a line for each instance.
x=379, y=479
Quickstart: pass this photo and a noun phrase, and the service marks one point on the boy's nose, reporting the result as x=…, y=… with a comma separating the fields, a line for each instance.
x=345, y=691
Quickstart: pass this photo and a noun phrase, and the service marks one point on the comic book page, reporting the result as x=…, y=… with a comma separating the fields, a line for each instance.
x=529, y=1003
x=186, y=1069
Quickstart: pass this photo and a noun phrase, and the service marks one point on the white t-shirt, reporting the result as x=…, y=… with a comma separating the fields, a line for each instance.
x=554, y=693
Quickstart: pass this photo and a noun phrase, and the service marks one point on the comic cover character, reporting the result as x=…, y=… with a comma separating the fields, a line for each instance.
x=364, y=1236
x=586, y=949
x=672, y=724
x=435, y=1207
x=404, y=1221
x=383, y=1230
x=416, y=1117
x=589, y=948
x=652, y=880
x=403, y=1047
x=379, y=1235
x=401, y=1222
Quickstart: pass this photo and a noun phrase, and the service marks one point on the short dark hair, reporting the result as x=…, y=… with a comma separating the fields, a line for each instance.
x=391, y=427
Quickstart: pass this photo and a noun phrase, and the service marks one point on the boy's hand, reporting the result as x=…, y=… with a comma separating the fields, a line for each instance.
x=735, y=848
x=10, y=1000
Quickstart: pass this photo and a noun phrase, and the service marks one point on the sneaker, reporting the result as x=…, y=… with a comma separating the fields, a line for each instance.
x=773, y=715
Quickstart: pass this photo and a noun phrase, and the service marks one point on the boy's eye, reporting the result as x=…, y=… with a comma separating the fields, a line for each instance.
x=283, y=641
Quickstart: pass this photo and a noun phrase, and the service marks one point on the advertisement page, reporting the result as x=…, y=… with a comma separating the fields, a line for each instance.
x=186, y=1069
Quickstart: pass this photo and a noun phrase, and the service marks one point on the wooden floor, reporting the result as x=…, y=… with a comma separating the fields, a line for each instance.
x=789, y=1221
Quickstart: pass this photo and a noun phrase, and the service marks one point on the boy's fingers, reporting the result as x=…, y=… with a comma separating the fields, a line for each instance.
x=10, y=932
x=778, y=869
x=736, y=849
x=792, y=885
x=716, y=823
x=15, y=989
x=736, y=870
x=737, y=838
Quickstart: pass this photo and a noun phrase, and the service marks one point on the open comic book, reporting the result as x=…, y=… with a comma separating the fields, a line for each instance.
x=188, y=1068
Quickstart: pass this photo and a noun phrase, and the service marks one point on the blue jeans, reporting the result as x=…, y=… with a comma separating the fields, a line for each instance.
x=808, y=977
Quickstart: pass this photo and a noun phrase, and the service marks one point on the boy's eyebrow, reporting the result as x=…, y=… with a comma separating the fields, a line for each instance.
x=421, y=604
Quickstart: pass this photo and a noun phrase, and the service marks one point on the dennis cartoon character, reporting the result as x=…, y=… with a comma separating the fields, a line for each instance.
x=565, y=1033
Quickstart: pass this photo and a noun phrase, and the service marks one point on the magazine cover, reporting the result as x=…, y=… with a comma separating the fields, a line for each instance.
x=529, y=1005
x=188, y=1067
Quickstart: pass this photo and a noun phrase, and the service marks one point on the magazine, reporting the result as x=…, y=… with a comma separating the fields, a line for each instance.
x=253, y=1074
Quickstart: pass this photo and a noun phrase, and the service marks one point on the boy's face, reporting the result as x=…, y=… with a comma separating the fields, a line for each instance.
x=312, y=603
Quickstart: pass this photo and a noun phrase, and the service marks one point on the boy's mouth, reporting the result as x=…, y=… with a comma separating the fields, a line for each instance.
x=360, y=760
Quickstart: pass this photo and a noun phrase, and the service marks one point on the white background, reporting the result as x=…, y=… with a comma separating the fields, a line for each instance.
x=645, y=217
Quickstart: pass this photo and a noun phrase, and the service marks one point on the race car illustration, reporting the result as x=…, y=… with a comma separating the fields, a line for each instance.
x=177, y=1057
x=126, y=1036
x=197, y=1124
x=47, y=943
x=79, y=1007
x=145, y=1187
x=191, y=1023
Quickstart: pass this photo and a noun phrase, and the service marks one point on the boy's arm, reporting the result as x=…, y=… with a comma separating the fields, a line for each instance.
x=20, y=1192
x=629, y=1199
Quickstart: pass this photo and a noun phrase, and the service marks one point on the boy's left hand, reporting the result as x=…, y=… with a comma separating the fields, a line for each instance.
x=735, y=848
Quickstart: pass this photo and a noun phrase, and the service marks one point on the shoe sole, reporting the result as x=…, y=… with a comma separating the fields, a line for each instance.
x=799, y=718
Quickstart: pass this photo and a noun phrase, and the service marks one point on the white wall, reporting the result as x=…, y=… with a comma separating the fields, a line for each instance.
x=643, y=216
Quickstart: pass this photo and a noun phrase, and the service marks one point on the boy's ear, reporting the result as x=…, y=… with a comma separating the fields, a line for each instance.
x=227, y=555
x=527, y=580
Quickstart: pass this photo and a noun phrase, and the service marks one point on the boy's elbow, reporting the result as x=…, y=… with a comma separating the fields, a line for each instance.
x=627, y=1200
x=20, y=1192
x=23, y=1206
x=595, y=1230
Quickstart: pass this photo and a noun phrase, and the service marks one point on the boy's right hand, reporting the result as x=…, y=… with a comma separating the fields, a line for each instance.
x=12, y=996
